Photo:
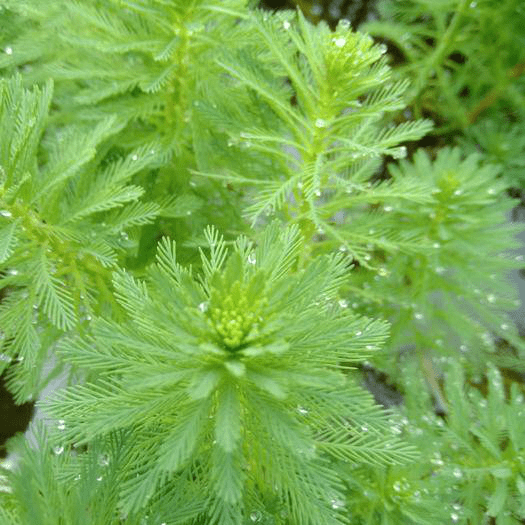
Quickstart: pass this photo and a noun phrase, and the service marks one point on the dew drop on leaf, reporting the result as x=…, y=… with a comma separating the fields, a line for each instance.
x=61, y=424
x=339, y=42
x=8, y=50
x=457, y=473
x=252, y=259
x=336, y=503
x=343, y=303
x=286, y=25
x=203, y=307
x=320, y=123
x=454, y=517
x=255, y=516
x=397, y=486
x=58, y=450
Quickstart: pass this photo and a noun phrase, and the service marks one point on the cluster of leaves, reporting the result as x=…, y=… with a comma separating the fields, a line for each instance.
x=466, y=60
x=223, y=392
x=64, y=215
x=476, y=466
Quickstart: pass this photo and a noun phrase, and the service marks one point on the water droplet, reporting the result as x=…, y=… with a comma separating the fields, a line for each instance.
x=339, y=42
x=358, y=333
x=388, y=208
x=400, y=153
x=397, y=486
x=99, y=478
x=457, y=473
x=61, y=424
x=440, y=270
x=504, y=326
x=343, y=303
x=203, y=307
x=520, y=258
x=303, y=411
x=491, y=191
x=344, y=23
x=436, y=245
x=8, y=50
x=320, y=123
x=77, y=477
x=286, y=25
x=252, y=259
x=58, y=450
x=491, y=298
x=436, y=460
x=454, y=517
x=103, y=460
x=12, y=272
x=473, y=5
x=463, y=348
x=418, y=316
x=337, y=503
x=135, y=157
x=458, y=192
x=383, y=272
x=5, y=213
x=255, y=516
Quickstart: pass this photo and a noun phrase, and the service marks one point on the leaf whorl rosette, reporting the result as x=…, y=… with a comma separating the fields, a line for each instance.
x=234, y=380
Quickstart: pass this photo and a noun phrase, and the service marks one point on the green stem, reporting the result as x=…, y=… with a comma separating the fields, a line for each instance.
x=441, y=50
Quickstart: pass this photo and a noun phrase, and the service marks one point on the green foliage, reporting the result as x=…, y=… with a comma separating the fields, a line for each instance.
x=207, y=225
x=62, y=225
x=454, y=296
x=234, y=356
x=463, y=56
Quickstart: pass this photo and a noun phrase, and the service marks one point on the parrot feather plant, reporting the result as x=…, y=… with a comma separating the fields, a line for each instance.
x=199, y=235
x=235, y=379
